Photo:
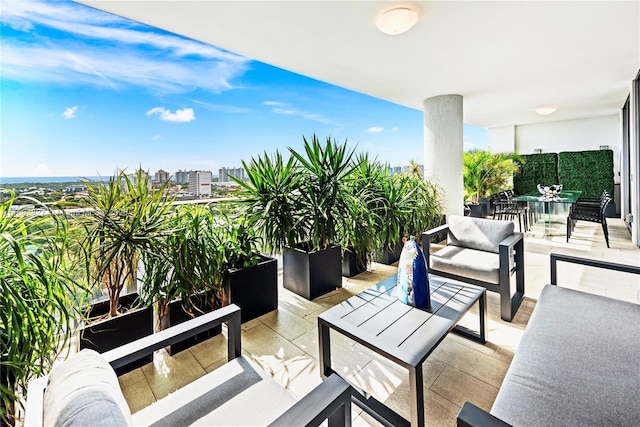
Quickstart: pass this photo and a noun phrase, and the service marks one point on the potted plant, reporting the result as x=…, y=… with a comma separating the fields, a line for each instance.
x=37, y=305
x=425, y=210
x=358, y=234
x=397, y=200
x=250, y=279
x=297, y=207
x=183, y=279
x=128, y=222
x=485, y=173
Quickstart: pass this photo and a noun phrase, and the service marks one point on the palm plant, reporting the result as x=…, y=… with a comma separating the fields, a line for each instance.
x=486, y=173
x=36, y=299
x=128, y=222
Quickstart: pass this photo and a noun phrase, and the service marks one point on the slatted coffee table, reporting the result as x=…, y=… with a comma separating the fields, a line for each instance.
x=376, y=319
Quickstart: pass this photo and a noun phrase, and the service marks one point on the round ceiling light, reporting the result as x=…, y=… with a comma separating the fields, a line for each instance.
x=545, y=111
x=397, y=19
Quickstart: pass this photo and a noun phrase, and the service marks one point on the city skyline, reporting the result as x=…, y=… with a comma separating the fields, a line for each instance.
x=85, y=93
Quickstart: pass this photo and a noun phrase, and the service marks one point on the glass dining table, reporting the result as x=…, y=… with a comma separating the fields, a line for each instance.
x=551, y=212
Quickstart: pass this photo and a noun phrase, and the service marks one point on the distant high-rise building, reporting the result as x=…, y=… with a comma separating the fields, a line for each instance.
x=162, y=176
x=181, y=177
x=133, y=178
x=396, y=170
x=200, y=183
x=225, y=173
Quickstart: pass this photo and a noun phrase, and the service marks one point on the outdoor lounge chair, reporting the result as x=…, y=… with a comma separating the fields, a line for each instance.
x=483, y=252
x=84, y=389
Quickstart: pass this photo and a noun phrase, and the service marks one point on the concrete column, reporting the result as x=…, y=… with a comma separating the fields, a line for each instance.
x=443, y=149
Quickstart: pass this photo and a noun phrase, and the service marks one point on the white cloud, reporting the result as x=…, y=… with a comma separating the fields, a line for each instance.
x=274, y=103
x=375, y=129
x=70, y=112
x=232, y=109
x=183, y=115
x=106, y=50
x=157, y=137
x=395, y=129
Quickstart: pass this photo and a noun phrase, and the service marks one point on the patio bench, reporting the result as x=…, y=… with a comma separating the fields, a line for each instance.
x=483, y=252
x=577, y=362
x=84, y=390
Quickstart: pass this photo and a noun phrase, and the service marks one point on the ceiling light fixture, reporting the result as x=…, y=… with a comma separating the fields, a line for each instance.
x=398, y=18
x=545, y=111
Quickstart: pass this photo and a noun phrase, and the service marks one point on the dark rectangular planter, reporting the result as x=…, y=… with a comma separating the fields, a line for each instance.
x=107, y=334
x=390, y=253
x=478, y=211
x=350, y=265
x=253, y=289
x=177, y=315
x=488, y=208
x=312, y=274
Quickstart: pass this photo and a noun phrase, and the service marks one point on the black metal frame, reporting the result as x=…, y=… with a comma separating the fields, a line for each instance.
x=588, y=262
x=330, y=401
x=508, y=266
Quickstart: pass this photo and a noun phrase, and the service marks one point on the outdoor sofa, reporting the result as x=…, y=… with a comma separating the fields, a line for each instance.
x=483, y=252
x=578, y=362
x=84, y=390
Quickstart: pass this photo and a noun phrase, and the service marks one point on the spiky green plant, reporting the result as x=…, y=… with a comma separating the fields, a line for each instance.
x=37, y=305
x=360, y=227
x=271, y=196
x=322, y=194
x=188, y=263
x=128, y=221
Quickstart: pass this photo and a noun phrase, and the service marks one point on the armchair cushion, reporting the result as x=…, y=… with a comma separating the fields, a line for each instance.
x=478, y=233
x=84, y=391
x=221, y=398
x=471, y=263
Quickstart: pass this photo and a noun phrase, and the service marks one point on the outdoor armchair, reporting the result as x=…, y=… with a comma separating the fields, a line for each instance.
x=483, y=252
x=84, y=390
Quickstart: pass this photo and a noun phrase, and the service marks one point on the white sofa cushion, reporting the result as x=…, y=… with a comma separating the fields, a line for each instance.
x=478, y=233
x=84, y=391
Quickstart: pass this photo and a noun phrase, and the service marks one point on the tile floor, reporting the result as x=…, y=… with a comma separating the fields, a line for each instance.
x=284, y=342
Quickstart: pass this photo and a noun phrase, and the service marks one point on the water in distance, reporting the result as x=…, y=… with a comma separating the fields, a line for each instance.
x=49, y=179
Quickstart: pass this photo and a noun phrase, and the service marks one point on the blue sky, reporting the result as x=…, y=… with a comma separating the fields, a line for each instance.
x=84, y=92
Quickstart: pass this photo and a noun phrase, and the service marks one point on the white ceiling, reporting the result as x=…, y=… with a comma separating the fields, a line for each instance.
x=505, y=57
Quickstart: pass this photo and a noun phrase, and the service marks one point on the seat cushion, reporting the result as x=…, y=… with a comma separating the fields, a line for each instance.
x=83, y=390
x=478, y=233
x=578, y=364
x=471, y=263
x=235, y=394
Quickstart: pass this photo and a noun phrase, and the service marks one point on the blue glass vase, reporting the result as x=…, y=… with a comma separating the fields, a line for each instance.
x=413, y=276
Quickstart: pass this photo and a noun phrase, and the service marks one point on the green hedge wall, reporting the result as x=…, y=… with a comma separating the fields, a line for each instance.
x=537, y=169
x=589, y=171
